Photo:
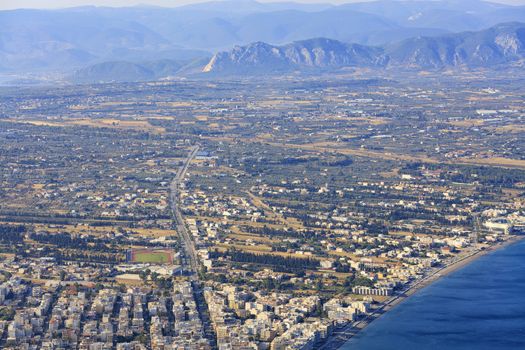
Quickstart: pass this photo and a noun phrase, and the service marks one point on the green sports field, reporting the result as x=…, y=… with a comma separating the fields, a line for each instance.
x=153, y=257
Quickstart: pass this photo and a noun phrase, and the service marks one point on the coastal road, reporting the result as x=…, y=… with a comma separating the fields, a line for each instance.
x=190, y=259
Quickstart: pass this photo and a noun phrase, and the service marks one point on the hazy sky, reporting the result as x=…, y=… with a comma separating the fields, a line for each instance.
x=12, y=4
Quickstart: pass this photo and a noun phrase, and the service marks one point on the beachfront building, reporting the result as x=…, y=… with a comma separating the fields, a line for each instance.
x=500, y=225
x=372, y=291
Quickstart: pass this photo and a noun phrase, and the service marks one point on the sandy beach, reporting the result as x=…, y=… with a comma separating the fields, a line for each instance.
x=341, y=336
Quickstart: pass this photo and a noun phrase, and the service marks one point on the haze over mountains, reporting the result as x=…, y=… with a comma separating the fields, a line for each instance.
x=501, y=44
x=152, y=42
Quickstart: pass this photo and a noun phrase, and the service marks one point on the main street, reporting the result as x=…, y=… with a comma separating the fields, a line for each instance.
x=190, y=260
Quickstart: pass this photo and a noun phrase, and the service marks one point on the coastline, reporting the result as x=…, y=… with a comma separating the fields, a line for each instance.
x=341, y=336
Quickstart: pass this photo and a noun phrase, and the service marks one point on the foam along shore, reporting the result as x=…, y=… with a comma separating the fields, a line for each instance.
x=341, y=336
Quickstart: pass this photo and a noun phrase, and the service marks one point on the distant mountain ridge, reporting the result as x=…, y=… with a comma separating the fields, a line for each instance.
x=501, y=44
x=125, y=71
x=319, y=53
x=68, y=39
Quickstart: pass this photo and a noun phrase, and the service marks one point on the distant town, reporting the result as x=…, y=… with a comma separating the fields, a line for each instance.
x=271, y=213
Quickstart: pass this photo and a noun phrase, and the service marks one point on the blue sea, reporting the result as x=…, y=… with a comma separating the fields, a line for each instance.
x=481, y=306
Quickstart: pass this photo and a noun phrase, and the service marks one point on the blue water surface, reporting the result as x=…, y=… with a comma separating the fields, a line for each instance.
x=481, y=306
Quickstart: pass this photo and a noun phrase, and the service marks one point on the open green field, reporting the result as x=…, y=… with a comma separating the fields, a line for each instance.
x=151, y=256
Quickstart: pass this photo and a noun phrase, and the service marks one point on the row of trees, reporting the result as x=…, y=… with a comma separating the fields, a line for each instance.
x=12, y=234
x=278, y=263
x=64, y=240
x=268, y=231
x=488, y=175
x=90, y=256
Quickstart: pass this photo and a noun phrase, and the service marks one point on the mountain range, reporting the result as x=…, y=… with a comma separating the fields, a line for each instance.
x=66, y=40
x=501, y=44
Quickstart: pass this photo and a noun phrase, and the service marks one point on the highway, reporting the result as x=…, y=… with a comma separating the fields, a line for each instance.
x=190, y=261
